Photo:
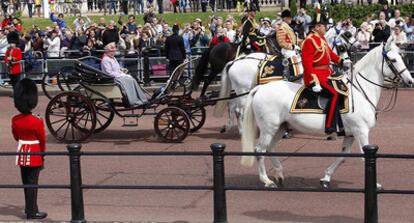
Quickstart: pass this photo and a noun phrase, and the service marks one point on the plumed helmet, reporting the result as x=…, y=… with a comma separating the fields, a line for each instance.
x=286, y=13
x=320, y=18
x=13, y=37
x=25, y=95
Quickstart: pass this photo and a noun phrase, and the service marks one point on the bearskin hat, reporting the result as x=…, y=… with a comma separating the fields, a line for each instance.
x=286, y=13
x=25, y=95
x=13, y=37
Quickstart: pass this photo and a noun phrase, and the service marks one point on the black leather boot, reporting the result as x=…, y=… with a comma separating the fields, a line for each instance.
x=38, y=215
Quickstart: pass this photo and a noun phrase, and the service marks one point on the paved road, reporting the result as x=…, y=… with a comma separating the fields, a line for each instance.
x=393, y=134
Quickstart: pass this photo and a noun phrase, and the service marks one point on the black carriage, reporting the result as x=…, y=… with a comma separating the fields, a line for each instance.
x=89, y=100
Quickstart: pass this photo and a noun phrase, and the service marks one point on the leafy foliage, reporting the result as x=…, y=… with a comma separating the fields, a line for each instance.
x=359, y=13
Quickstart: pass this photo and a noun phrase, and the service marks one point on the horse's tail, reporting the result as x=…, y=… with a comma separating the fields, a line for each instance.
x=224, y=91
x=249, y=129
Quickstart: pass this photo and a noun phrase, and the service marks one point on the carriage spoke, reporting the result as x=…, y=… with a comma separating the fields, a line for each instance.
x=57, y=121
x=57, y=130
x=73, y=132
x=66, y=131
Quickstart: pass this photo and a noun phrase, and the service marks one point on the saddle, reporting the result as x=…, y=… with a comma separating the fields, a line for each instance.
x=277, y=68
x=307, y=101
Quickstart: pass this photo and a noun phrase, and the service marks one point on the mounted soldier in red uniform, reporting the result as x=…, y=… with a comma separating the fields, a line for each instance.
x=316, y=59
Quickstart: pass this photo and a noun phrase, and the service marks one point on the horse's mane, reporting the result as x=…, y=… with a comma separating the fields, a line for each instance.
x=367, y=59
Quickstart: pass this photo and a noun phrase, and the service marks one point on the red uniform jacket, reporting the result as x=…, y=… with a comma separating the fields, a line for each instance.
x=316, y=58
x=28, y=128
x=16, y=54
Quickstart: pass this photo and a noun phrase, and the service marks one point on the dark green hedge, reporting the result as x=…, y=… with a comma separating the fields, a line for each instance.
x=359, y=13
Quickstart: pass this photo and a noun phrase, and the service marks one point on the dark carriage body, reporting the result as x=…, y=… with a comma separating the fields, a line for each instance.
x=93, y=99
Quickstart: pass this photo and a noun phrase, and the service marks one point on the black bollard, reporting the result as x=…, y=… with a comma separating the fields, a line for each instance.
x=76, y=194
x=371, y=196
x=220, y=209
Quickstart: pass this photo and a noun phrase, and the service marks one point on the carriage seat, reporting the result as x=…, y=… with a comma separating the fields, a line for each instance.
x=89, y=70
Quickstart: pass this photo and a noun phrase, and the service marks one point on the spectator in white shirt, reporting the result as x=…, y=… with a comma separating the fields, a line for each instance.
x=397, y=20
x=53, y=43
x=399, y=37
x=230, y=33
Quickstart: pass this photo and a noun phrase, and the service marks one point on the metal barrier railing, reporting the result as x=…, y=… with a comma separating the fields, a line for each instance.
x=143, y=66
x=219, y=186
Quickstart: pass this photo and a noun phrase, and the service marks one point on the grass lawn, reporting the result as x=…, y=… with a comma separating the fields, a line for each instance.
x=169, y=17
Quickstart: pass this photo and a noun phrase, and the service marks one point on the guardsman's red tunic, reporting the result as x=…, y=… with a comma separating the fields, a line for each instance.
x=16, y=54
x=29, y=131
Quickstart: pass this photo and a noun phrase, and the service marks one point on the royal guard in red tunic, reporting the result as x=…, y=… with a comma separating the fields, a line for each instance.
x=316, y=59
x=29, y=131
x=13, y=57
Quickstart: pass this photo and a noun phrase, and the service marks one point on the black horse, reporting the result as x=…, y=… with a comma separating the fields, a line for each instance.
x=218, y=56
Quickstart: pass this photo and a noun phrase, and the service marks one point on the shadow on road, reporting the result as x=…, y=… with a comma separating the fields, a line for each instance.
x=12, y=210
x=251, y=180
x=285, y=216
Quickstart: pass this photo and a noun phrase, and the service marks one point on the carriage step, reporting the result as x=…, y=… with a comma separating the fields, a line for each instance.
x=130, y=121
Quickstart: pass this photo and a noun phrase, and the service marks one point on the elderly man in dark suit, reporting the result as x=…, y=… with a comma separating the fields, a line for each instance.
x=174, y=49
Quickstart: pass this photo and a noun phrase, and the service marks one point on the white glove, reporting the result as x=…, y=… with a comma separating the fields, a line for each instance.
x=297, y=48
x=347, y=64
x=317, y=88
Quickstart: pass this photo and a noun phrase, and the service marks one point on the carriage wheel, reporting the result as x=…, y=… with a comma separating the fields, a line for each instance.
x=172, y=124
x=70, y=117
x=67, y=82
x=197, y=117
x=104, y=114
x=50, y=85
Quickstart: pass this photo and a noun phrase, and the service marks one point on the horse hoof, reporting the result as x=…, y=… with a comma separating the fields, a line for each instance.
x=379, y=187
x=270, y=185
x=324, y=184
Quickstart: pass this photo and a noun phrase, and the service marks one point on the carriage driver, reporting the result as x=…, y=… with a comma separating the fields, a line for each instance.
x=251, y=40
x=135, y=94
x=316, y=59
x=286, y=37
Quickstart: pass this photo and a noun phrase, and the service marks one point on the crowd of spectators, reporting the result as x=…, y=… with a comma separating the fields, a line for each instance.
x=148, y=36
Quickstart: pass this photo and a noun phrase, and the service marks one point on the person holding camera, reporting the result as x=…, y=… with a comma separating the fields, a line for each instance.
x=397, y=20
x=382, y=30
x=53, y=44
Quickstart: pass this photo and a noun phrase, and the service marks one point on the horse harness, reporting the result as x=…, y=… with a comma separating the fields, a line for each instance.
x=395, y=80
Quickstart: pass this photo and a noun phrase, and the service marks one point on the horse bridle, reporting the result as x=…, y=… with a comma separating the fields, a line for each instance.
x=395, y=80
x=346, y=36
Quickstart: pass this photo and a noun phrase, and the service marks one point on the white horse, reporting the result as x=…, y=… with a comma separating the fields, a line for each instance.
x=240, y=75
x=268, y=108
